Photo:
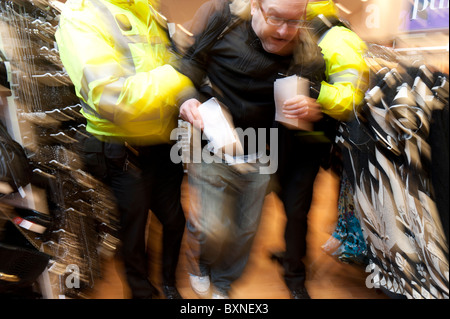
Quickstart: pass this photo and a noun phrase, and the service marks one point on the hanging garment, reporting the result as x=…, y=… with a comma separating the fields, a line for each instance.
x=388, y=160
x=347, y=242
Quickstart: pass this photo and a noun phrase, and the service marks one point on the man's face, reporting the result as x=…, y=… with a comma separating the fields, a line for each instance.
x=277, y=39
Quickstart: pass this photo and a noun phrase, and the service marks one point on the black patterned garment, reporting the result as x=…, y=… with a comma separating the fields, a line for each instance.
x=392, y=163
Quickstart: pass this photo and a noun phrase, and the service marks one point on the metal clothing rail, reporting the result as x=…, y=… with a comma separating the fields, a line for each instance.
x=43, y=113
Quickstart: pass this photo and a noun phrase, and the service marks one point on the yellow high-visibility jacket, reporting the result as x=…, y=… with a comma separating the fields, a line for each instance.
x=346, y=70
x=116, y=54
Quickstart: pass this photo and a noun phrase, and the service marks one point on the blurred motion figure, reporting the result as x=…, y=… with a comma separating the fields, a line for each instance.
x=241, y=48
x=116, y=53
x=338, y=76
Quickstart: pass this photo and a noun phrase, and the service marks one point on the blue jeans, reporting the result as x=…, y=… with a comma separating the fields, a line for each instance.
x=225, y=212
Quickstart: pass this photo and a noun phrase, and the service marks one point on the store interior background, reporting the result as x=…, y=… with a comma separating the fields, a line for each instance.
x=387, y=23
x=382, y=22
x=415, y=29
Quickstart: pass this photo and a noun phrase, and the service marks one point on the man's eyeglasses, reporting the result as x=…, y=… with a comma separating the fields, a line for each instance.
x=275, y=21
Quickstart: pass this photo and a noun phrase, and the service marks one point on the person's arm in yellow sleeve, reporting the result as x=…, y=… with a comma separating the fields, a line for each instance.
x=347, y=71
x=109, y=85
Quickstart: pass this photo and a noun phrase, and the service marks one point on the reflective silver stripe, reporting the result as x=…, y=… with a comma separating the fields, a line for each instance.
x=121, y=41
x=94, y=72
x=89, y=110
x=137, y=38
x=84, y=90
x=111, y=92
x=325, y=20
x=110, y=96
x=162, y=20
x=349, y=75
x=91, y=73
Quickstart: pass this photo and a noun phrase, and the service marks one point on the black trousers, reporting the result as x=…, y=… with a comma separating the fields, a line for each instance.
x=148, y=181
x=299, y=161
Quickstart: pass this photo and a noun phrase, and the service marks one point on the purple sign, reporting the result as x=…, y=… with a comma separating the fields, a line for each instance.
x=425, y=15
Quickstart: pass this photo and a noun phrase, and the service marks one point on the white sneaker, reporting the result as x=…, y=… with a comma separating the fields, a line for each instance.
x=200, y=285
x=219, y=295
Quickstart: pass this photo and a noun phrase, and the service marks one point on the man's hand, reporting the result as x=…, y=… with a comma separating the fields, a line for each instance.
x=189, y=112
x=302, y=107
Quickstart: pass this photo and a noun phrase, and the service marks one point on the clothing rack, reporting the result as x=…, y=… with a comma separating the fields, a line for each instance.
x=391, y=153
x=42, y=114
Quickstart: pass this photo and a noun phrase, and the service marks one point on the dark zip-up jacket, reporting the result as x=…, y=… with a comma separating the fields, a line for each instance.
x=240, y=72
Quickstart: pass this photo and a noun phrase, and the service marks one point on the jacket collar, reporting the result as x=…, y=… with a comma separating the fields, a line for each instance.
x=146, y=9
x=327, y=8
x=153, y=3
x=323, y=15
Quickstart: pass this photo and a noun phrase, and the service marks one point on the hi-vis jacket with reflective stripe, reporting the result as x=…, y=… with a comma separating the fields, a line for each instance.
x=346, y=70
x=116, y=54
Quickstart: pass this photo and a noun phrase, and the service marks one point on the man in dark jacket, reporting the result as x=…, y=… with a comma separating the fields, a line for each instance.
x=239, y=66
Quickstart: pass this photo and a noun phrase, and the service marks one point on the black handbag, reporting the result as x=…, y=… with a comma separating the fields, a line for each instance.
x=21, y=263
x=20, y=267
x=15, y=168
